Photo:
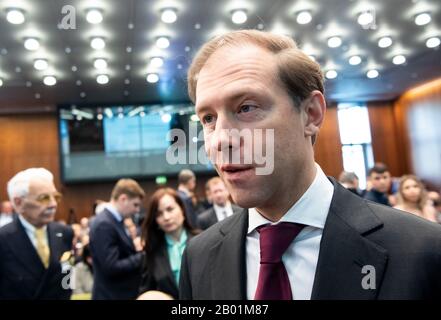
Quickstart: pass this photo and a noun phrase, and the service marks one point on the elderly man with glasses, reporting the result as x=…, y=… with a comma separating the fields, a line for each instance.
x=34, y=249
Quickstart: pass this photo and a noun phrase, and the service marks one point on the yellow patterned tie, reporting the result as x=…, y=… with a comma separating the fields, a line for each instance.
x=42, y=247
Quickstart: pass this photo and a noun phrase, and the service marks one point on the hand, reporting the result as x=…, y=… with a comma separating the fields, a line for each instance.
x=137, y=243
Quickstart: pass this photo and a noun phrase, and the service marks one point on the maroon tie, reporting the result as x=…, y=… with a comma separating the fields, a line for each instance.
x=273, y=281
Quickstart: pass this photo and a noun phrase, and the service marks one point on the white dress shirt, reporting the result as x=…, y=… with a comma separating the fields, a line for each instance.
x=223, y=212
x=30, y=231
x=300, y=259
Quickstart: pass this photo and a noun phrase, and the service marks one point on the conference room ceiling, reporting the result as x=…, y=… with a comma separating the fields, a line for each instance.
x=130, y=29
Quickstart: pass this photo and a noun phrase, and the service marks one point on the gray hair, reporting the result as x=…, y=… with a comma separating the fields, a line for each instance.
x=18, y=186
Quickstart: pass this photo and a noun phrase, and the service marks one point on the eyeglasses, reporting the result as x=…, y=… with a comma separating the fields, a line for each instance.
x=45, y=198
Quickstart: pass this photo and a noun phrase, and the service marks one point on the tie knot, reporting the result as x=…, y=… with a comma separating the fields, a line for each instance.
x=275, y=239
x=39, y=233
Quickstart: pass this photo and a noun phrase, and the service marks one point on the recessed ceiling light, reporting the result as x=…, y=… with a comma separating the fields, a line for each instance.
x=197, y=26
x=82, y=94
x=169, y=15
x=331, y=74
x=355, y=60
x=142, y=114
x=15, y=16
x=100, y=63
x=433, y=42
x=99, y=116
x=49, y=80
x=97, y=43
x=399, y=59
x=162, y=42
x=385, y=42
x=74, y=68
x=102, y=79
x=152, y=77
x=40, y=64
x=239, y=16
x=372, y=74
x=156, y=62
x=304, y=17
x=365, y=18
x=166, y=118
x=31, y=44
x=94, y=16
x=422, y=19
x=334, y=42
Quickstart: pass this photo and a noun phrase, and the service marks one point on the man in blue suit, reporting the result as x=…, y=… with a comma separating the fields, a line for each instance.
x=33, y=248
x=117, y=258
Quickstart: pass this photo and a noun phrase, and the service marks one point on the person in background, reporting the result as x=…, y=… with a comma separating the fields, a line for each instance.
x=350, y=181
x=412, y=197
x=34, y=248
x=186, y=190
x=6, y=213
x=222, y=207
x=83, y=276
x=380, y=181
x=165, y=234
x=116, y=256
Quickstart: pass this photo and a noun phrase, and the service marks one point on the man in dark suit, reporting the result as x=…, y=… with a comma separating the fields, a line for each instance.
x=304, y=236
x=380, y=180
x=222, y=207
x=34, y=249
x=117, y=259
x=186, y=188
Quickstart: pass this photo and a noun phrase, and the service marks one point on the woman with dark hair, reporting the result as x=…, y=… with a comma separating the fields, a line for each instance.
x=165, y=232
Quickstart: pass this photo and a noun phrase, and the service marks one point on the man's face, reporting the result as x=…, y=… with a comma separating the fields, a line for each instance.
x=381, y=181
x=219, y=194
x=238, y=89
x=40, y=205
x=127, y=206
x=6, y=207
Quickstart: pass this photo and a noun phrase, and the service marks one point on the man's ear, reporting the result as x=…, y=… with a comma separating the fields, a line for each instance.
x=17, y=202
x=314, y=108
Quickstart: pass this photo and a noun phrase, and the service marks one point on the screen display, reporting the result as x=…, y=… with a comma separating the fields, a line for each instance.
x=107, y=143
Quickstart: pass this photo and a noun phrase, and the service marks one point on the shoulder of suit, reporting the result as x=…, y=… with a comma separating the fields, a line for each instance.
x=407, y=226
x=213, y=234
x=206, y=213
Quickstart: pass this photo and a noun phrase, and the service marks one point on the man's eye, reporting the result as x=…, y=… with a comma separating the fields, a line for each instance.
x=207, y=119
x=246, y=108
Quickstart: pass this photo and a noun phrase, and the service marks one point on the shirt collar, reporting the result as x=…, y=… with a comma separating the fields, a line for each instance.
x=219, y=208
x=114, y=212
x=182, y=240
x=27, y=225
x=311, y=209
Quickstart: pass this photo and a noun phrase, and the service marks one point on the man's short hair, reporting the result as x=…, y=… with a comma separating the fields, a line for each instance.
x=129, y=187
x=379, y=168
x=18, y=185
x=347, y=177
x=299, y=74
x=213, y=181
x=185, y=176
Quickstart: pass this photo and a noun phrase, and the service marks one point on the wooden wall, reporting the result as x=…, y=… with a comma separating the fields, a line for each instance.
x=327, y=148
x=418, y=115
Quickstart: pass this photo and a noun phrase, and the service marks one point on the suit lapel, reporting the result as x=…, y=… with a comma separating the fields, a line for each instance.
x=24, y=251
x=228, y=269
x=213, y=217
x=344, y=250
x=121, y=230
x=164, y=262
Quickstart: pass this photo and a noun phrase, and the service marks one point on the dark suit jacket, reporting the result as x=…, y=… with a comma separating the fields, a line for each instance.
x=207, y=218
x=160, y=276
x=403, y=249
x=189, y=209
x=22, y=274
x=116, y=264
